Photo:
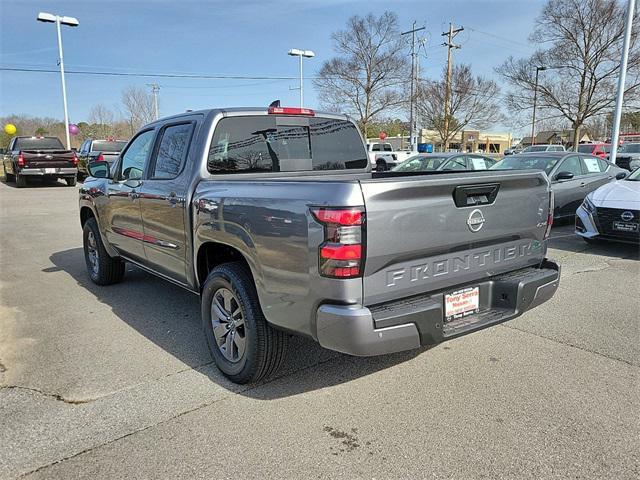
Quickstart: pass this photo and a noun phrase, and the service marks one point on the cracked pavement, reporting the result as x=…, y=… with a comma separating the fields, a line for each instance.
x=116, y=382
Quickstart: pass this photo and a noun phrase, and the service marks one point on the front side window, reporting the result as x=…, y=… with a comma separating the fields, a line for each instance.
x=172, y=152
x=135, y=157
x=269, y=143
x=526, y=162
x=571, y=165
x=455, y=163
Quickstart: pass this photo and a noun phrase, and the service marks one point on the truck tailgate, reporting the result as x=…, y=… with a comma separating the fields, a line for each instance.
x=48, y=158
x=430, y=232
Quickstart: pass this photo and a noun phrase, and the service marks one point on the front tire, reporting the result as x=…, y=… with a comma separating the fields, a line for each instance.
x=243, y=345
x=102, y=269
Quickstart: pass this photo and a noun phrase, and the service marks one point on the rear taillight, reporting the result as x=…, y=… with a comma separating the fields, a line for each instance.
x=547, y=232
x=74, y=159
x=20, y=160
x=100, y=158
x=341, y=255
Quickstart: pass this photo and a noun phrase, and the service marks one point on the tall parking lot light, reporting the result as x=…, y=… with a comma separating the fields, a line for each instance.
x=535, y=102
x=71, y=22
x=294, y=52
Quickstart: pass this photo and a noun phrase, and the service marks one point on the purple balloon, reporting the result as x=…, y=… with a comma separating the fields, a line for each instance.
x=73, y=129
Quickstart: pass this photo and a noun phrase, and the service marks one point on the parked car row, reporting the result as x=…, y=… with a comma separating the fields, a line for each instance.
x=46, y=158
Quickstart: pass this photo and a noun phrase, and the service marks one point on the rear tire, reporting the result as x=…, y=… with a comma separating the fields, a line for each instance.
x=21, y=181
x=102, y=269
x=381, y=166
x=71, y=181
x=242, y=343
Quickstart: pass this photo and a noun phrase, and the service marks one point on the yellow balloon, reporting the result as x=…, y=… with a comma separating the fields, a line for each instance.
x=10, y=129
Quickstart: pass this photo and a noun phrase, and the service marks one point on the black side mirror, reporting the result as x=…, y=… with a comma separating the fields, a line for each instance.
x=99, y=169
x=564, y=176
x=621, y=175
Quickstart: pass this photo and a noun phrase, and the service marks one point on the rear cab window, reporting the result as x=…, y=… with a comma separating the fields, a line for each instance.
x=107, y=146
x=279, y=143
x=45, y=143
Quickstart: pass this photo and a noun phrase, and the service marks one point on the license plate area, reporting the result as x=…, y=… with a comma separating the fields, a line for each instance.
x=461, y=303
x=625, y=227
x=50, y=170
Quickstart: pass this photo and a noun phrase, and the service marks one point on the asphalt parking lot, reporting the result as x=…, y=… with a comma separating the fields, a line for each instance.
x=116, y=382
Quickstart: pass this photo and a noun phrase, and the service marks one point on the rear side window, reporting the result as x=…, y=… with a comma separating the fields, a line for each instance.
x=592, y=165
x=269, y=143
x=172, y=150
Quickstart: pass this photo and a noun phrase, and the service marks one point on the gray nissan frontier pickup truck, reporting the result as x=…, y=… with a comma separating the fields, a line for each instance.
x=274, y=218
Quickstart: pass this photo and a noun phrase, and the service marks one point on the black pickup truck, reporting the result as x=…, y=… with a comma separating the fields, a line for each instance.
x=43, y=157
x=274, y=218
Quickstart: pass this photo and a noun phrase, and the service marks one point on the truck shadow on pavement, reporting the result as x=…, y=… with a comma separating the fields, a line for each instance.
x=169, y=317
x=564, y=238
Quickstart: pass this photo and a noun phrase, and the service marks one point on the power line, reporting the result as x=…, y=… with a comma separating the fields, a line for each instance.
x=148, y=75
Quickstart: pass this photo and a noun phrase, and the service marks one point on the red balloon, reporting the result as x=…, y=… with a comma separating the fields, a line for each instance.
x=382, y=135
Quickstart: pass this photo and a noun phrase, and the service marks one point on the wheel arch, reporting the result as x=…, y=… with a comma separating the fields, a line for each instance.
x=211, y=254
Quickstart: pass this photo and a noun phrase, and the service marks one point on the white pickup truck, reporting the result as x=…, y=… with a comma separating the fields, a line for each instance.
x=382, y=156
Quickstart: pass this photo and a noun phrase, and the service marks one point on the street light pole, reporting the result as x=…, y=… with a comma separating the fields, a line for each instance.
x=72, y=22
x=617, y=114
x=535, y=102
x=295, y=52
x=64, y=85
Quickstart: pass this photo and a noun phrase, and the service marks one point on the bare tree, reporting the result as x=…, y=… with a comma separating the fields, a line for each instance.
x=138, y=106
x=102, y=120
x=581, y=44
x=365, y=76
x=473, y=103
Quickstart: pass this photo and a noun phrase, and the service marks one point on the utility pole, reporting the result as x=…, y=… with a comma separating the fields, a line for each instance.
x=451, y=34
x=155, y=89
x=617, y=114
x=413, y=82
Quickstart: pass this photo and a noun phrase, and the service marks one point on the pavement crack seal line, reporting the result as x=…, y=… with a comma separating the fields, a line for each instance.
x=54, y=396
x=199, y=407
x=621, y=360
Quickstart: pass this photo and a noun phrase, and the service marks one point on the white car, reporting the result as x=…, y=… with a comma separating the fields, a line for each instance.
x=612, y=212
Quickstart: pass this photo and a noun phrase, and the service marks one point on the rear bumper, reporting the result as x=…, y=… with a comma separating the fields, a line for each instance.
x=409, y=323
x=41, y=172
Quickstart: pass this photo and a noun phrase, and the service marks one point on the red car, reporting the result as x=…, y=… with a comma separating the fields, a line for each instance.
x=598, y=149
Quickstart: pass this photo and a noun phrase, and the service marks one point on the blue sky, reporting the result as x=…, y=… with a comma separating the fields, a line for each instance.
x=223, y=37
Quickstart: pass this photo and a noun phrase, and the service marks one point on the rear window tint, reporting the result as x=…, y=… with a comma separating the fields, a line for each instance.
x=106, y=146
x=46, y=143
x=269, y=143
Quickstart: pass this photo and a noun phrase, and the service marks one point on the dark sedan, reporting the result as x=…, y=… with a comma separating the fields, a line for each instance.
x=573, y=175
x=444, y=161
